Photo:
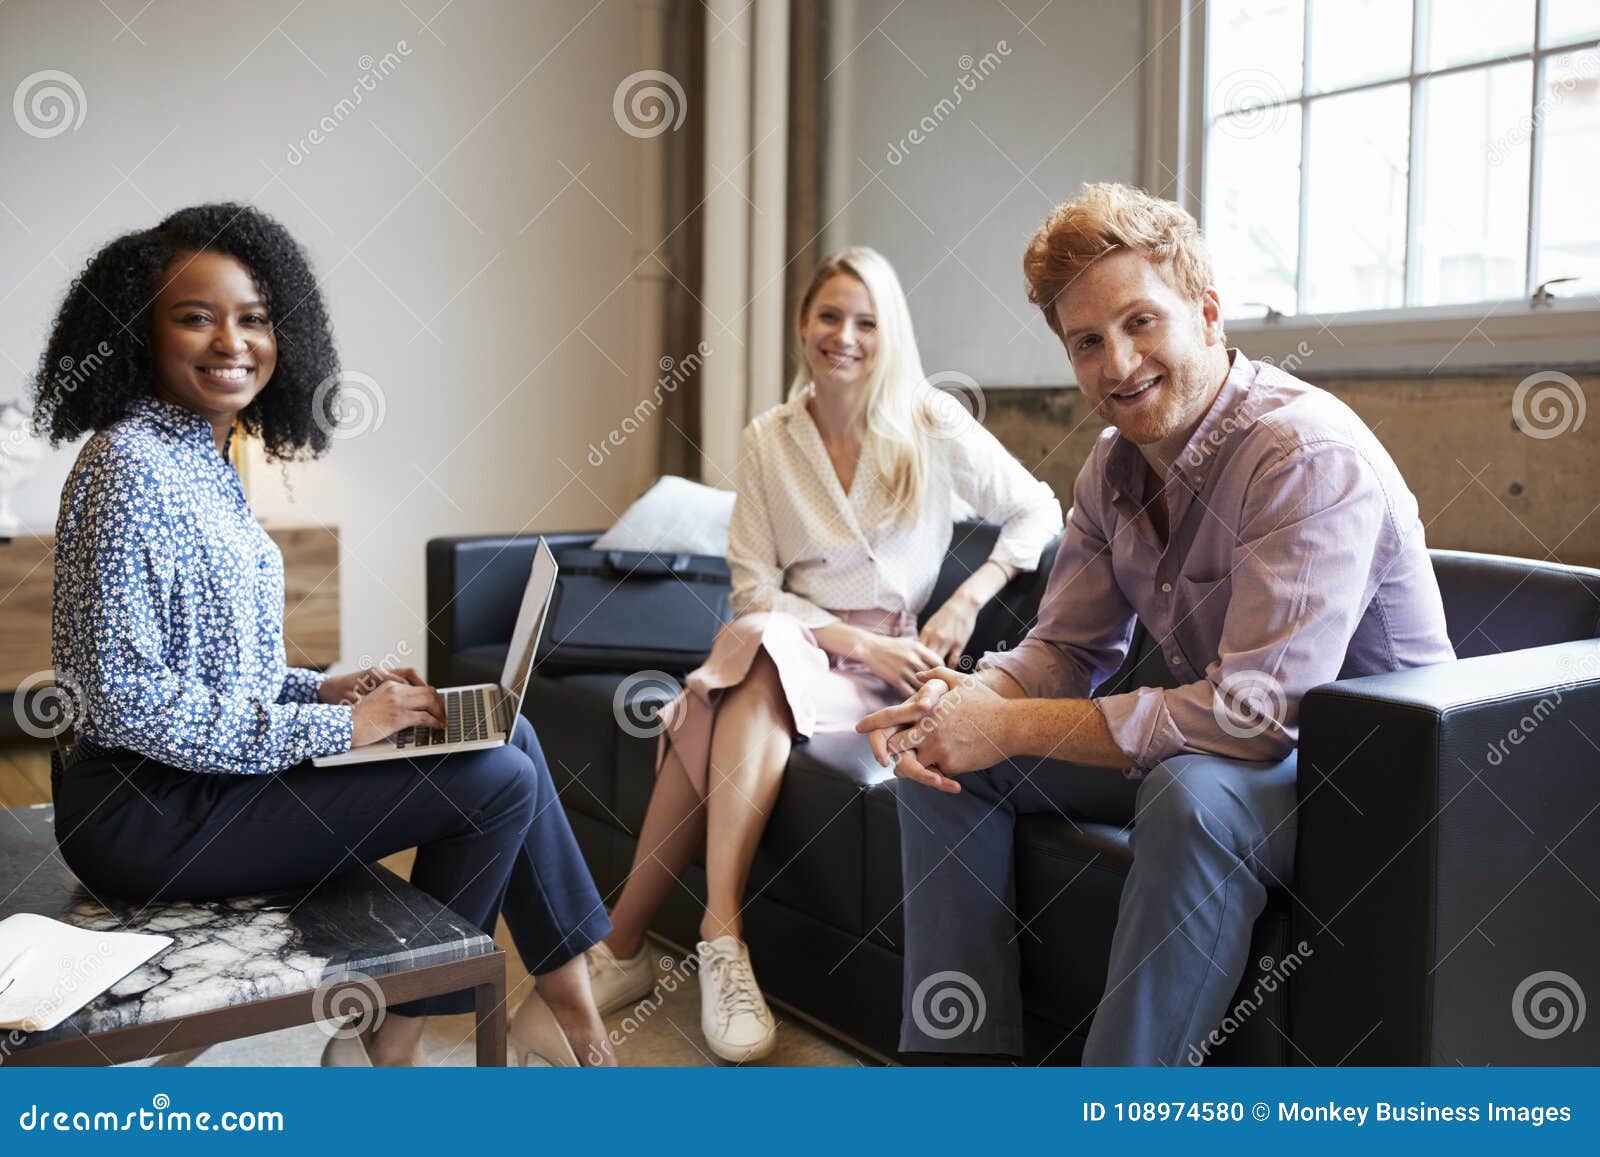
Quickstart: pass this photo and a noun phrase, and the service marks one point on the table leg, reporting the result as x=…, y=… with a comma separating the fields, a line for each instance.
x=490, y=998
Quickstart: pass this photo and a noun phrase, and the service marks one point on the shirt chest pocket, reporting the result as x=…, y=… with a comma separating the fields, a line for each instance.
x=1200, y=606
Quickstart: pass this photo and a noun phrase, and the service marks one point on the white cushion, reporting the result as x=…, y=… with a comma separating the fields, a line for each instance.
x=675, y=515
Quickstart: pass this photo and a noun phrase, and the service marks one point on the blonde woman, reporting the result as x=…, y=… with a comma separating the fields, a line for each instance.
x=844, y=515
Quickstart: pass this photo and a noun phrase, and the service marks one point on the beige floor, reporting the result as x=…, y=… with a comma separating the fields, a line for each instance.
x=670, y=1035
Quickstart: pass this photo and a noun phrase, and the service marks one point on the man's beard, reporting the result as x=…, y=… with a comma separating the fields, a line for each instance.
x=1183, y=381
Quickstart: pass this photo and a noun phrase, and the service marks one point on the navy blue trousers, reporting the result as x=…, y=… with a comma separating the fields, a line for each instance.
x=489, y=832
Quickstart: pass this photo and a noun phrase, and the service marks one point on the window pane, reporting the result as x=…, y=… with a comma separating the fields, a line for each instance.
x=1566, y=20
x=1569, y=139
x=1356, y=215
x=1356, y=41
x=1457, y=31
x=1253, y=52
x=1251, y=207
x=1472, y=226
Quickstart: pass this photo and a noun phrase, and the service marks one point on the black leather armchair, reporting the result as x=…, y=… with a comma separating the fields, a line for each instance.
x=1449, y=833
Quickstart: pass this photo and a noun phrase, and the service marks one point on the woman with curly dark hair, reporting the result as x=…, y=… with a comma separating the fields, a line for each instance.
x=168, y=624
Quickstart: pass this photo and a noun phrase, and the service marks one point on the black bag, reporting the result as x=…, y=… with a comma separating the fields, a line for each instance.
x=630, y=610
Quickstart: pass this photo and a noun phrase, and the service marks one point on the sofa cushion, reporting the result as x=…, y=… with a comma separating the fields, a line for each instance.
x=1069, y=884
x=675, y=515
x=811, y=856
x=1069, y=879
x=882, y=893
x=1100, y=791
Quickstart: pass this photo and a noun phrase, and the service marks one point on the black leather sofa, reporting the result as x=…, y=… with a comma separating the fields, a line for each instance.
x=1449, y=834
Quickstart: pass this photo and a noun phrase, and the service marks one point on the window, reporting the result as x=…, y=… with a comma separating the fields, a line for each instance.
x=1387, y=154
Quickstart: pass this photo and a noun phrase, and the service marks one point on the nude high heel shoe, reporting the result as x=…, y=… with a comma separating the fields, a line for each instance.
x=535, y=1032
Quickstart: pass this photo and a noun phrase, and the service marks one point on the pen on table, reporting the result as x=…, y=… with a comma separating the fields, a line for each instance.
x=8, y=973
x=7, y=979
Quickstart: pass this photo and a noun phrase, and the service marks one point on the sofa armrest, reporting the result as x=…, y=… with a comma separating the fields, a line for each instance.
x=1449, y=851
x=1006, y=618
x=475, y=585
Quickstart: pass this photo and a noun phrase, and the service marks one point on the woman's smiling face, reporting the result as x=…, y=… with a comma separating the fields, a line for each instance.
x=212, y=338
x=840, y=334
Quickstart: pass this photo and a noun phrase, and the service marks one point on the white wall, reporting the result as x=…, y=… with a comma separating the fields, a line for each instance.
x=1058, y=105
x=500, y=346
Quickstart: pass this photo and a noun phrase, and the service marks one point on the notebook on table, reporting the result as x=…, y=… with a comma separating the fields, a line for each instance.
x=49, y=970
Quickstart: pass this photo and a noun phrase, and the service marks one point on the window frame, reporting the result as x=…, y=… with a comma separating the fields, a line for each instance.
x=1490, y=334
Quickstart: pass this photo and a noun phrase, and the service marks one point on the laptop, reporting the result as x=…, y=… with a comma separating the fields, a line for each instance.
x=481, y=715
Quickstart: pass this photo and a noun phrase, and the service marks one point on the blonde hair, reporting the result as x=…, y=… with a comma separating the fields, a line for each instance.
x=898, y=403
x=1108, y=216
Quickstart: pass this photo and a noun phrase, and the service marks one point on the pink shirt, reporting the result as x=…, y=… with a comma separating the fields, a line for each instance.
x=1295, y=557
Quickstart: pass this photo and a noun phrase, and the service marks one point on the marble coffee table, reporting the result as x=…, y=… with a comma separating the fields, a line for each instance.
x=361, y=941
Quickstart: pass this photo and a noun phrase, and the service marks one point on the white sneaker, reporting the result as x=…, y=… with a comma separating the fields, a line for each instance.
x=619, y=983
x=734, y=1016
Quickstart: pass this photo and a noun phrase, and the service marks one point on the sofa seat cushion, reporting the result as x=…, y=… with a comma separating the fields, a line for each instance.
x=1069, y=885
x=1105, y=793
x=811, y=855
x=881, y=890
x=1069, y=879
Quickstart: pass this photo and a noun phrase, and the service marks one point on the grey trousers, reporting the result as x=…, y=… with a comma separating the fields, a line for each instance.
x=1209, y=836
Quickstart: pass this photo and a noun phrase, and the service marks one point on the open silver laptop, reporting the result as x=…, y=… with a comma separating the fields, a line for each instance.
x=481, y=715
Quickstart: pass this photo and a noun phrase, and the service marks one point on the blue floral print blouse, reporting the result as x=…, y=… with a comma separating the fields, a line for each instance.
x=168, y=617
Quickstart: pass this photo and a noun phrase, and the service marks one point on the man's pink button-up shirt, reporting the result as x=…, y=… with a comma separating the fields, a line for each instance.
x=1295, y=557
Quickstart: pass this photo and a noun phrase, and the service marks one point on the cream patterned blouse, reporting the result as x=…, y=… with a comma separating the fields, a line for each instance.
x=799, y=544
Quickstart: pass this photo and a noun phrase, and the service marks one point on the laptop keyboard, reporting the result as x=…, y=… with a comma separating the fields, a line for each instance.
x=463, y=710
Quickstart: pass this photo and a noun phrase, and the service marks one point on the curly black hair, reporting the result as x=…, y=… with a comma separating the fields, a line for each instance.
x=97, y=363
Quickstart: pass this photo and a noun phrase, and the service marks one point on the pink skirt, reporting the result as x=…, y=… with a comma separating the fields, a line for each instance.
x=824, y=692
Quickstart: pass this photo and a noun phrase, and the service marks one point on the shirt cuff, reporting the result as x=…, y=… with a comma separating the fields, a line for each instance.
x=1038, y=670
x=300, y=685
x=324, y=729
x=1141, y=726
x=1015, y=665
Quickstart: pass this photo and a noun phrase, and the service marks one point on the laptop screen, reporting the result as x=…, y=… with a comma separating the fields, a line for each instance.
x=530, y=622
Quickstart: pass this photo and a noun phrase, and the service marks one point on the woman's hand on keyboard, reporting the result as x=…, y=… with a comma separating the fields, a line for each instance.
x=394, y=706
x=350, y=688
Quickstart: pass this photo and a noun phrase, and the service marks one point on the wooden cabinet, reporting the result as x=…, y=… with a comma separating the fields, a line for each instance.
x=310, y=593
x=311, y=603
